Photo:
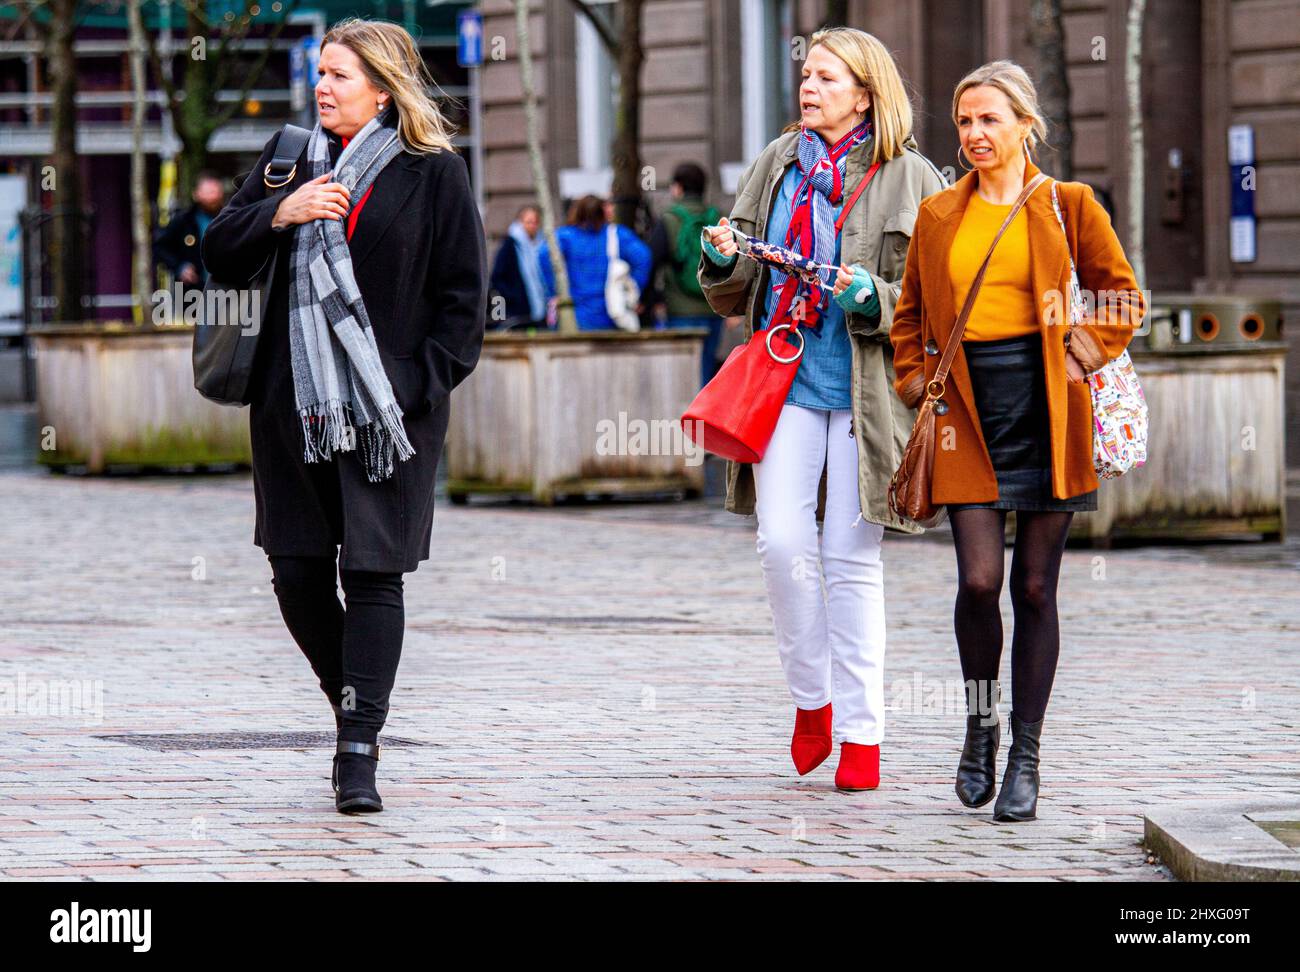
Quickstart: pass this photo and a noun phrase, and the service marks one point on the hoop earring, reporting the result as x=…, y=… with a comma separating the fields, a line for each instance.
x=960, y=156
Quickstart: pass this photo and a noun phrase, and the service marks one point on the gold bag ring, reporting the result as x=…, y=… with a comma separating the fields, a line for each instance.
x=266, y=177
x=930, y=388
x=776, y=357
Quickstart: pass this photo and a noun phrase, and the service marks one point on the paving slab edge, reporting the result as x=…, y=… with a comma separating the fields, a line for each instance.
x=1216, y=841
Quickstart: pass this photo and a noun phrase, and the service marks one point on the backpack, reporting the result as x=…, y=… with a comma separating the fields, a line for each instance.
x=689, y=248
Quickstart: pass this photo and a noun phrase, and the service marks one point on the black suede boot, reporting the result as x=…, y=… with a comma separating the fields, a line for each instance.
x=1019, y=797
x=354, y=775
x=976, y=771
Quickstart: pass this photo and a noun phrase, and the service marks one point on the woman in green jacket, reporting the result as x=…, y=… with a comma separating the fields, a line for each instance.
x=842, y=430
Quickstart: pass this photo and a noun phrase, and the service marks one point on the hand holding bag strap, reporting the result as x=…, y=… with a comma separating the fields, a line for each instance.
x=959, y=328
x=279, y=172
x=222, y=356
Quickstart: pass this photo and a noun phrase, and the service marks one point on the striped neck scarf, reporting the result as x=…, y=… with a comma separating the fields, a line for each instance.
x=343, y=395
x=812, y=220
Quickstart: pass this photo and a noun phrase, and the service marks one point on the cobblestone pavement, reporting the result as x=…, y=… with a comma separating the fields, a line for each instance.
x=595, y=693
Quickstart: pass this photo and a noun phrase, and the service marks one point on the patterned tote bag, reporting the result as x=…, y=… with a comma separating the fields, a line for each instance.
x=1119, y=409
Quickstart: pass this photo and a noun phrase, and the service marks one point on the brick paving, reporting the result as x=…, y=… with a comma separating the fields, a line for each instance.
x=596, y=695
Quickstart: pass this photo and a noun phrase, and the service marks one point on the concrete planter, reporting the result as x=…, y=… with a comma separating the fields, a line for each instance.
x=549, y=415
x=1215, y=465
x=117, y=395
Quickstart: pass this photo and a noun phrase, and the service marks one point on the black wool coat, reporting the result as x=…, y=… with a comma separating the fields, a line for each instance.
x=419, y=257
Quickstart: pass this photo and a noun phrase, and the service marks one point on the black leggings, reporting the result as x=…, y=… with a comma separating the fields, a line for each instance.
x=354, y=652
x=978, y=535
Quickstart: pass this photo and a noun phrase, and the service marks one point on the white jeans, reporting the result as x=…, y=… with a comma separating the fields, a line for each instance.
x=832, y=647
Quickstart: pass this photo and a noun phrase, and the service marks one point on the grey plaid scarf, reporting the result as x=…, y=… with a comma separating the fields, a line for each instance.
x=343, y=396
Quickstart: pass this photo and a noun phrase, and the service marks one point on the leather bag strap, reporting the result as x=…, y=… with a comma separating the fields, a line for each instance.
x=959, y=328
x=844, y=213
x=279, y=172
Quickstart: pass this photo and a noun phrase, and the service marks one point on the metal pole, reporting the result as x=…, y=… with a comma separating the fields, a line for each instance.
x=476, y=128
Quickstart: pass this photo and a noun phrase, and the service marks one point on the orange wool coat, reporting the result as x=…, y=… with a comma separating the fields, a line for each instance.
x=963, y=472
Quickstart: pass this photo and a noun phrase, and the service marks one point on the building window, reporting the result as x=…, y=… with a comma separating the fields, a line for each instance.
x=767, y=71
x=597, y=84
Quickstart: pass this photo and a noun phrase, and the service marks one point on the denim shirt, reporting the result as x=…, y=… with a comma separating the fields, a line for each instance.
x=824, y=378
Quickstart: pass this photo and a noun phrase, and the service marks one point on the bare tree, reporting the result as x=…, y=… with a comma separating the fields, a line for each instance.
x=1136, y=141
x=54, y=22
x=142, y=262
x=1047, y=36
x=625, y=48
x=566, y=318
x=212, y=64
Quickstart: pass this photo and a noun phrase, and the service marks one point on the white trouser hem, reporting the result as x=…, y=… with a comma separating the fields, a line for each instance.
x=831, y=641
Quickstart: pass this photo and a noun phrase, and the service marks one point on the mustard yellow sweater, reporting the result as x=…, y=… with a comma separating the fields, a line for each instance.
x=1004, y=307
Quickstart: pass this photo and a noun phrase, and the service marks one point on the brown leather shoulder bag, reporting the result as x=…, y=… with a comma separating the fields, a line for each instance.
x=910, y=489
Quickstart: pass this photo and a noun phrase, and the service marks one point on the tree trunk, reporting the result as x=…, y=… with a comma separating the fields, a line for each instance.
x=837, y=13
x=192, y=115
x=67, y=241
x=1136, y=142
x=566, y=319
x=194, y=109
x=140, y=222
x=626, y=150
x=1048, y=39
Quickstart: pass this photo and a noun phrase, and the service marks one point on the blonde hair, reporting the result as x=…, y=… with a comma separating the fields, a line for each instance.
x=870, y=62
x=1013, y=81
x=392, y=64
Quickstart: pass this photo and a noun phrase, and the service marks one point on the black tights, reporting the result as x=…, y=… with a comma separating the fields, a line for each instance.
x=354, y=652
x=978, y=535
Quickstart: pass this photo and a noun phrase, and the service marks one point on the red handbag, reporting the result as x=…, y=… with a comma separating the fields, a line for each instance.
x=735, y=414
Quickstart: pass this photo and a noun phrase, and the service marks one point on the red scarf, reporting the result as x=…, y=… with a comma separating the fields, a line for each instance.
x=823, y=181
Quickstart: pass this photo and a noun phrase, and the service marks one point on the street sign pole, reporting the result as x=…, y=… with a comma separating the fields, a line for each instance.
x=469, y=54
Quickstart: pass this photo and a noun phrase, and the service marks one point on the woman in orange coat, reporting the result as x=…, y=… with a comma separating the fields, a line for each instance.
x=1014, y=427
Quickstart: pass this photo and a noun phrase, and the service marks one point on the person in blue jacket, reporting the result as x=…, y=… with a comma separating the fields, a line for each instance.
x=583, y=246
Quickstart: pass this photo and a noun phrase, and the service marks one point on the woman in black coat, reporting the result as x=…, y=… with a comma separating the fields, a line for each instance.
x=418, y=256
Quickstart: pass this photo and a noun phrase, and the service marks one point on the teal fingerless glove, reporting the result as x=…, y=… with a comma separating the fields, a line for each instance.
x=859, y=297
x=716, y=258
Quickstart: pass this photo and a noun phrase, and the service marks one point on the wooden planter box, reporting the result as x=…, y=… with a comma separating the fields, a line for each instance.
x=119, y=395
x=539, y=414
x=1215, y=464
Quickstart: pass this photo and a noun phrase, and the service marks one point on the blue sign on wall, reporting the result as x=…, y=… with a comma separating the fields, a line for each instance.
x=469, y=38
x=1241, y=223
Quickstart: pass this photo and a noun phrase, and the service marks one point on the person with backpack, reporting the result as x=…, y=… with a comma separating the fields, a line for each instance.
x=676, y=248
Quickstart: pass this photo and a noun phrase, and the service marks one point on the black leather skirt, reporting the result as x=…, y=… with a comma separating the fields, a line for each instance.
x=1011, y=397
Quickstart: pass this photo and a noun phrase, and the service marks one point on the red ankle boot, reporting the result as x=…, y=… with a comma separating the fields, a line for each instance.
x=812, y=738
x=859, y=767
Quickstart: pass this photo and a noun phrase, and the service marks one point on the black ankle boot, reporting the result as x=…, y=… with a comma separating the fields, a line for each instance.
x=354, y=778
x=1019, y=797
x=976, y=772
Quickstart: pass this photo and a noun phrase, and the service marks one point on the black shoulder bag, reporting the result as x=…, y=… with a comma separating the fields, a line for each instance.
x=223, y=349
